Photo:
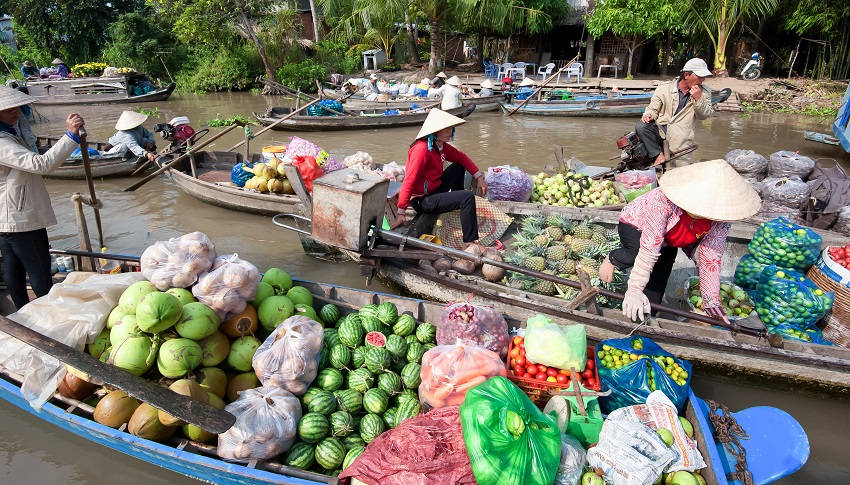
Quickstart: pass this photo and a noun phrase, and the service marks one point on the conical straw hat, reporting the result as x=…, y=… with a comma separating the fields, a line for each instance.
x=527, y=82
x=12, y=98
x=442, y=75
x=437, y=120
x=57, y=61
x=487, y=84
x=130, y=120
x=454, y=81
x=711, y=190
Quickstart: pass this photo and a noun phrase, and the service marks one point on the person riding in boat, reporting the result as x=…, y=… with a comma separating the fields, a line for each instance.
x=429, y=189
x=486, y=89
x=60, y=69
x=26, y=208
x=671, y=113
x=439, y=80
x=526, y=89
x=691, y=209
x=370, y=88
x=132, y=137
x=452, y=95
x=28, y=71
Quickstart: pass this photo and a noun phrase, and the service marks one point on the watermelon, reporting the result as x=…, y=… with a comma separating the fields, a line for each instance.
x=340, y=357
x=358, y=357
x=341, y=424
x=376, y=401
x=371, y=426
x=425, y=333
x=352, y=455
x=331, y=337
x=390, y=383
x=376, y=339
x=371, y=324
x=387, y=313
x=411, y=339
x=406, y=395
x=415, y=351
x=313, y=427
x=353, y=441
x=411, y=375
x=378, y=359
x=355, y=421
x=405, y=325
x=324, y=357
x=329, y=314
x=360, y=380
x=406, y=410
x=351, y=333
x=301, y=456
x=308, y=396
x=329, y=379
x=370, y=310
x=389, y=417
x=396, y=346
x=429, y=346
x=354, y=317
x=349, y=400
x=323, y=403
x=330, y=453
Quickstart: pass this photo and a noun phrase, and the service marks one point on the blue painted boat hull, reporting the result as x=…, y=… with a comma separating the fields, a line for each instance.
x=841, y=127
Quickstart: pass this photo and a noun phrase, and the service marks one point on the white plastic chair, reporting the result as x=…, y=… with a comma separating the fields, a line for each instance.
x=519, y=69
x=504, y=69
x=545, y=71
x=575, y=69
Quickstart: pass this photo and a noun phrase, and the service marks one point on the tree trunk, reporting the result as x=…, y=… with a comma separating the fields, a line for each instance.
x=411, y=38
x=249, y=31
x=315, y=14
x=665, y=59
x=437, y=47
x=631, y=55
x=588, y=55
x=720, y=53
x=479, y=44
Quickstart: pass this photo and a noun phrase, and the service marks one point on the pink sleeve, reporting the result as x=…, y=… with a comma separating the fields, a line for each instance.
x=656, y=213
x=710, y=261
x=417, y=158
x=457, y=156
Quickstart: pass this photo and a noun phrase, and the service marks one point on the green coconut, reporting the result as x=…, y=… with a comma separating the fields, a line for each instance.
x=197, y=321
x=279, y=280
x=264, y=290
x=213, y=380
x=299, y=294
x=214, y=349
x=158, y=311
x=185, y=296
x=116, y=314
x=184, y=387
x=100, y=344
x=178, y=357
x=123, y=330
x=239, y=383
x=306, y=311
x=145, y=424
x=242, y=352
x=136, y=353
x=274, y=310
x=134, y=294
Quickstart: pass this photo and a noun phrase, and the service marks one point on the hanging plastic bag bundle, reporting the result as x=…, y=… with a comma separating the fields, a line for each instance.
x=785, y=244
x=449, y=371
x=790, y=304
x=509, y=440
x=481, y=324
x=552, y=345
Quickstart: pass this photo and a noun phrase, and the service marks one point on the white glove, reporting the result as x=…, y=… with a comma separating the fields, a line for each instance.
x=635, y=302
x=635, y=305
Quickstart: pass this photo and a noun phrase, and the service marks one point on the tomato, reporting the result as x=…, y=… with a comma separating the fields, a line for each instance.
x=520, y=361
x=591, y=363
x=541, y=367
x=552, y=371
x=587, y=374
x=591, y=382
x=541, y=376
x=566, y=372
x=551, y=379
x=519, y=370
x=563, y=379
x=527, y=376
x=514, y=352
x=517, y=340
x=532, y=369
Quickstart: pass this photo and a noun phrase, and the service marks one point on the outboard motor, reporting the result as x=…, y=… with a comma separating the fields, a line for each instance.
x=634, y=151
x=179, y=134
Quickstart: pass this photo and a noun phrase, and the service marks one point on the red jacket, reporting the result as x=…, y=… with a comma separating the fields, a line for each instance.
x=423, y=166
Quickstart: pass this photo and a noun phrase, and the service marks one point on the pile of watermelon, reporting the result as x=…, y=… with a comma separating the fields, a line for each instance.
x=368, y=382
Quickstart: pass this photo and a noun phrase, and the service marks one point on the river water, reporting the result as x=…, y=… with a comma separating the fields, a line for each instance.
x=32, y=451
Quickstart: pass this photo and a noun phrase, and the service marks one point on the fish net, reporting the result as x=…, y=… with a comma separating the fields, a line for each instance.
x=492, y=224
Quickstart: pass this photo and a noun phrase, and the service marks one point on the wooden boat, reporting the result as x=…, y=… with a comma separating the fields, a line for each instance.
x=211, y=184
x=103, y=166
x=96, y=90
x=364, y=119
x=605, y=106
x=821, y=138
x=357, y=102
x=200, y=461
x=841, y=126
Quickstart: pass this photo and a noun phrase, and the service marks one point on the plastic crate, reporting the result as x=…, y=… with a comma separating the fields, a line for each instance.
x=538, y=391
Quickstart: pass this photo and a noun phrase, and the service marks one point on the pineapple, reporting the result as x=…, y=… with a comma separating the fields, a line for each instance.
x=544, y=287
x=568, y=239
x=521, y=242
x=583, y=230
x=561, y=221
x=530, y=221
x=567, y=266
x=554, y=232
x=533, y=258
x=599, y=238
x=556, y=253
x=590, y=266
x=536, y=234
x=580, y=245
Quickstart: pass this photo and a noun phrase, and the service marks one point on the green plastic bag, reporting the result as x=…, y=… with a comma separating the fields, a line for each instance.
x=509, y=440
x=553, y=345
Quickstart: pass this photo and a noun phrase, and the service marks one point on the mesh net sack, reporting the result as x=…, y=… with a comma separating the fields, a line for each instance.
x=746, y=161
x=785, y=164
x=842, y=225
x=789, y=191
x=492, y=224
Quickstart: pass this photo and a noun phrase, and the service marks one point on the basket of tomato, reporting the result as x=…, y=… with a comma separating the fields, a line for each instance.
x=832, y=273
x=536, y=380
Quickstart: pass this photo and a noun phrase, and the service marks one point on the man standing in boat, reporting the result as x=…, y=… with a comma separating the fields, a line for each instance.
x=669, y=118
x=25, y=205
x=132, y=137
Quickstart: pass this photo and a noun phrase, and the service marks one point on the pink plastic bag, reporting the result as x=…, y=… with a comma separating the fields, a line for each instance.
x=449, y=371
x=481, y=324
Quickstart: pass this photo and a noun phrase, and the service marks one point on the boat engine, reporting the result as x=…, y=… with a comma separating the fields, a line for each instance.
x=634, y=154
x=175, y=131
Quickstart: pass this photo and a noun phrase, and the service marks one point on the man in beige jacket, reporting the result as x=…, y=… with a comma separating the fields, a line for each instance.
x=25, y=210
x=671, y=112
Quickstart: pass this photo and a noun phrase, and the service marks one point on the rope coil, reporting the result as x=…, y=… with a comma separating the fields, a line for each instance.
x=729, y=432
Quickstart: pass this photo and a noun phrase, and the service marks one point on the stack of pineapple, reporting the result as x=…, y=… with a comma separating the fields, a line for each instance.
x=558, y=246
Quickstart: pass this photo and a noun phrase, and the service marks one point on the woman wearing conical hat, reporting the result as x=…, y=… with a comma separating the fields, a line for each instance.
x=132, y=137
x=60, y=68
x=690, y=210
x=452, y=95
x=486, y=89
x=429, y=189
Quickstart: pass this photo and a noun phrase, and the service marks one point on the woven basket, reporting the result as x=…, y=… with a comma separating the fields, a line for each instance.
x=837, y=329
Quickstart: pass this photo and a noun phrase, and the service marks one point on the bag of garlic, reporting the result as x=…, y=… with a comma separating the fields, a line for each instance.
x=178, y=262
x=289, y=357
x=228, y=286
x=266, y=425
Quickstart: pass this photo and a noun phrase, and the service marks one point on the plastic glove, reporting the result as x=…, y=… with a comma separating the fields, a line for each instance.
x=635, y=305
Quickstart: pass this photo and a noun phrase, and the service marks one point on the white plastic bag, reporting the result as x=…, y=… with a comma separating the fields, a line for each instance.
x=785, y=163
x=550, y=344
x=629, y=453
x=573, y=459
x=746, y=161
x=229, y=285
x=266, y=425
x=289, y=357
x=178, y=262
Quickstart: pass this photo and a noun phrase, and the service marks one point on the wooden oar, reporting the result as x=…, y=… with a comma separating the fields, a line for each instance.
x=84, y=150
x=267, y=128
x=545, y=82
x=182, y=407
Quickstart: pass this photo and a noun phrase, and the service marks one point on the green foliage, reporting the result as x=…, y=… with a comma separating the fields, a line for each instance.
x=302, y=75
x=280, y=33
x=230, y=68
x=16, y=58
x=150, y=112
x=218, y=121
x=137, y=41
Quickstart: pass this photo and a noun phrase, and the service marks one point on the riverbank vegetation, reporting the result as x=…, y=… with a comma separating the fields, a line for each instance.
x=819, y=99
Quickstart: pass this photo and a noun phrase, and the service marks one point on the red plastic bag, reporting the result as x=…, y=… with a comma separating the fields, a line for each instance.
x=309, y=170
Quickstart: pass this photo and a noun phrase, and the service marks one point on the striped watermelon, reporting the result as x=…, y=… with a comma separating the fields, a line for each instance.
x=411, y=339
x=405, y=325
x=415, y=351
x=389, y=382
x=371, y=426
x=375, y=339
x=429, y=346
x=406, y=410
x=349, y=400
x=313, y=427
x=340, y=357
x=376, y=401
x=396, y=346
x=411, y=375
x=308, y=396
x=323, y=403
x=352, y=455
x=370, y=310
x=358, y=357
x=370, y=323
x=355, y=420
x=351, y=333
x=329, y=379
x=341, y=424
x=406, y=395
x=331, y=337
x=378, y=359
x=389, y=417
x=361, y=380
x=330, y=453
x=329, y=314
x=324, y=356
x=301, y=456
x=426, y=333
x=353, y=441
x=387, y=313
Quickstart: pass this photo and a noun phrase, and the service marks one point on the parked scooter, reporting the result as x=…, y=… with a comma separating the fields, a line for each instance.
x=749, y=68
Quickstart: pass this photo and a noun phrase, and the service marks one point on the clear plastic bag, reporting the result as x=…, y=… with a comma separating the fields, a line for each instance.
x=746, y=161
x=480, y=324
x=508, y=183
x=552, y=345
x=785, y=164
x=299, y=147
x=266, y=425
x=748, y=272
x=791, y=304
x=289, y=357
x=630, y=453
x=788, y=191
x=449, y=371
x=573, y=459
x=842, y=225
x=634, y=183
x=178, y=262
x=785, y=244
x=228, y=286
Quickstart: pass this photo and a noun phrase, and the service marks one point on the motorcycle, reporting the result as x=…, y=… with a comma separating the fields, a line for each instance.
x=749, y=68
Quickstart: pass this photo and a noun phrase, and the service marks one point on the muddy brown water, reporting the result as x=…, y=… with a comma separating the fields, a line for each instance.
x=35, y=452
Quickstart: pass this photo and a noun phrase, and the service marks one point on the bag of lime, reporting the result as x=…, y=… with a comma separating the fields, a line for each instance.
x=785, y=244
x=632, y=368
x=734, y=299
x=748, y=272
x=790, y=304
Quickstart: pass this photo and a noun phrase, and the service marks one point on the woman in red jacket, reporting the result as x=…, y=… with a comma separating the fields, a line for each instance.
x=427, y=188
